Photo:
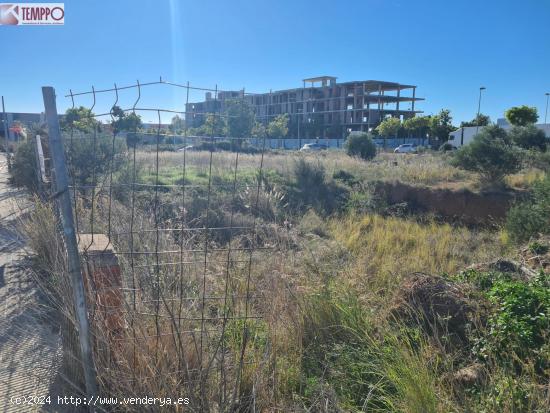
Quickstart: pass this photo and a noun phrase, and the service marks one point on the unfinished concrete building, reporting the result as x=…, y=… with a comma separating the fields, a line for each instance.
x=321, y=107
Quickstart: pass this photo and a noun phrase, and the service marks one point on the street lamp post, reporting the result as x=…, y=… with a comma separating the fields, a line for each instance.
x=546, y=111
x=479, y=108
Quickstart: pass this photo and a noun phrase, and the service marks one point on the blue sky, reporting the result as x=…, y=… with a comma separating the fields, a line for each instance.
x=448, y=48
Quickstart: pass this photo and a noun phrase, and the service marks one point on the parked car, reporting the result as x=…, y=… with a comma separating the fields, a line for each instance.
x=186, y=148
x=313, y=147
x=405, y=148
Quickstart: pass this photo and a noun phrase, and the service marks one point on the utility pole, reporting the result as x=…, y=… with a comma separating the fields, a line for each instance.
x=67, y=221
x=479, y=108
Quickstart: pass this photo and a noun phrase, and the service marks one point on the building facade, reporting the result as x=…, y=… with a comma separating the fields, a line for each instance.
x=322, y=107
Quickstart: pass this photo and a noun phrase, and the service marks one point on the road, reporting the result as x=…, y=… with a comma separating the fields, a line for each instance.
x=30, y=348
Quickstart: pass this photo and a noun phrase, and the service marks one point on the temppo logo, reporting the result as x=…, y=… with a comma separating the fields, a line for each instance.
x=21, y=14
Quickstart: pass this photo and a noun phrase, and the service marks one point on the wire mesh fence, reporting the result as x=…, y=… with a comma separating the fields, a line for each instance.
x=174, y=243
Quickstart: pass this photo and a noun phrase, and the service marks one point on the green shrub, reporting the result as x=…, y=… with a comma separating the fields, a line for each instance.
x=345, y=177
x=490, y=155
x=311, y=189
x=538, y=159
x=90, y=157
x=361, y=145
x=525, y=220
x=482, y=280
x=520, y=323
x=123, y=179
x=226, y=146
x=528, y=137
x=531, y=217
x=362, y=201
x=23, y=168
x=517, y=326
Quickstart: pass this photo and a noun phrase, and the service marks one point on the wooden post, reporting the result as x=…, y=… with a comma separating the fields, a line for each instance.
x=67, y=220
x=6, y=134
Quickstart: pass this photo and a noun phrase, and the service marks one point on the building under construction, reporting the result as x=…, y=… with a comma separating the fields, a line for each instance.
x=321, y=107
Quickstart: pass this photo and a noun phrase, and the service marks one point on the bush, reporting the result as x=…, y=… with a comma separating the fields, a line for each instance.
x=528, y=137
x=521, y=323
x=531, y=217
x=88, y=157
x=490, y=155
x=345, y=177
x=231, y=146
x=23, y=169
x=538, y=159
x=361, y=145
x=312, y=190
x=517, y=326
x=524, y=221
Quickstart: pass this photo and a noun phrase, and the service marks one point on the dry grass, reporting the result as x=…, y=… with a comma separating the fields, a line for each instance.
x=525, y=179
x=427, y=169
x=387, y=248
x=421, y=169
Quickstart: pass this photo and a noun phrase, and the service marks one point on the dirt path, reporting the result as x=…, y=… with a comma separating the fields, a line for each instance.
x=29, y=346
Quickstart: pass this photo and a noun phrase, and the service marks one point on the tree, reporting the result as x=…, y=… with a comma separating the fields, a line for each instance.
x=528, y=137
x=441, y=125
x=278, y=127
x=81, y=119
x=479, y=120
x=389, y=127
x=417, y=126
x=213, y=125
x=495, y=132
x=361, y=145
x=489, y=155
x=122, y=121
x=177, y=123
x=240, y=119
x=258, y=130
x=522, y=115
x=91, y=158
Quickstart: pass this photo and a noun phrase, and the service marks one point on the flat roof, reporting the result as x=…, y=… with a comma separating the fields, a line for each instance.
x=319, y=78
x=382, y=83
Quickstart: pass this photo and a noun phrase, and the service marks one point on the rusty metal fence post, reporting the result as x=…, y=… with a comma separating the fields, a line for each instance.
x=61, y=189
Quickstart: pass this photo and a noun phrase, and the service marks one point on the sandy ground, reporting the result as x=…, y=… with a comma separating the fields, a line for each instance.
x=30, y=346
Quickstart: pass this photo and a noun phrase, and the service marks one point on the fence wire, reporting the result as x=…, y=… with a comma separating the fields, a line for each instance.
x=189, y=230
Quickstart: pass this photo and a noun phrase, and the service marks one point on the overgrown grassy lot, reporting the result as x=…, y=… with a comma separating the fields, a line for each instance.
x=425, y=169
x=362, y=306
x=421, y=169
